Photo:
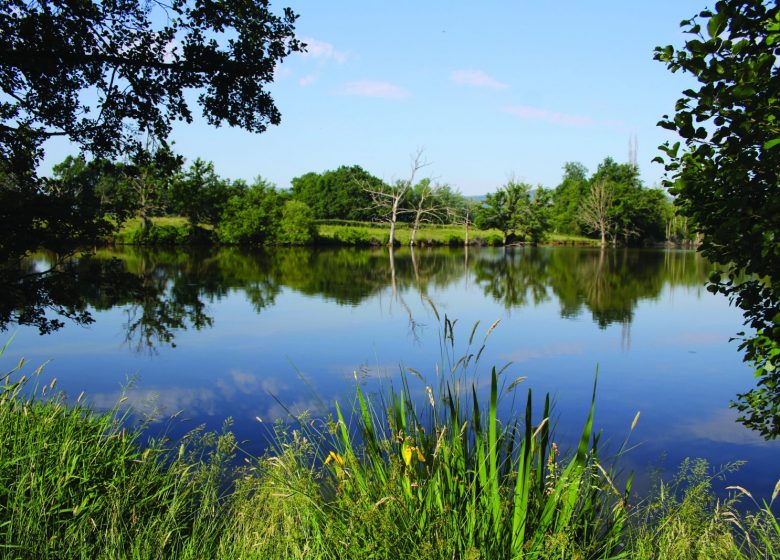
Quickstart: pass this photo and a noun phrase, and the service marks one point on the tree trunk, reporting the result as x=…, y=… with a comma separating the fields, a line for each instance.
x=414, y=229
x=391, y=241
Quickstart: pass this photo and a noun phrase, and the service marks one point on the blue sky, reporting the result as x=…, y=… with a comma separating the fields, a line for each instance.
x=488, y=89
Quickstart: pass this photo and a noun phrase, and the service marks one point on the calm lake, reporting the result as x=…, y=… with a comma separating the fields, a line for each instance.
x=239, y=334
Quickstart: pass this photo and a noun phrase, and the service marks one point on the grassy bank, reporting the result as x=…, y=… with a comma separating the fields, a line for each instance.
x=424, y=469
x=172, y=230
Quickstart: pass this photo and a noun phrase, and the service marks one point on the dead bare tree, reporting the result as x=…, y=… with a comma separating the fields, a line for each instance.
x=387, y=201
x=463, y=217
x=426, y=207
x=596, y=209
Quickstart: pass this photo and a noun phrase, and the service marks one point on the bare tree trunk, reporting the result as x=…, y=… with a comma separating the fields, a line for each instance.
x=391, y=241
x=415, y=227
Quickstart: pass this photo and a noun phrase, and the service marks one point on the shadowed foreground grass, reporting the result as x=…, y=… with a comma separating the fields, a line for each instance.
x=422, y=470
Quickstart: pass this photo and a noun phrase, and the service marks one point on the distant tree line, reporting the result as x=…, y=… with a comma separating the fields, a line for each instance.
x=611, y=204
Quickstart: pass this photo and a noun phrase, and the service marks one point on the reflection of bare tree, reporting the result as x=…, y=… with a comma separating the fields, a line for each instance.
x=397, y=295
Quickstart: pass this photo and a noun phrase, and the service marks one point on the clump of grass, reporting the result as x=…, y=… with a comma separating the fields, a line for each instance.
x=684, y=520
x=78, y=484
x=448, y=479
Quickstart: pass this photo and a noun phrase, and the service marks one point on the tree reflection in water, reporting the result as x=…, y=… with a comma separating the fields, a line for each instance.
x=165, y=292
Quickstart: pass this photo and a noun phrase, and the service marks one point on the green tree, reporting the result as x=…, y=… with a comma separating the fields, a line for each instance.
x=296, y=226
x=108, y=75
x=145, y=182
x=726, y=174
x=200, y=194
x=567, y=197
x=503, y=209
x=537, y=223
x=636, y=214
x=513, y=210
x=252, y=217
x=337, y=194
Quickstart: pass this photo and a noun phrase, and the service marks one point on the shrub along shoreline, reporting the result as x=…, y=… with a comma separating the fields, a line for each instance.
x=387, y=476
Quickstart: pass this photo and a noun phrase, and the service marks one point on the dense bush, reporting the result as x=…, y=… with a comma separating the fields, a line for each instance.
x=297, y=226
x=162, y=235
x=252, y=217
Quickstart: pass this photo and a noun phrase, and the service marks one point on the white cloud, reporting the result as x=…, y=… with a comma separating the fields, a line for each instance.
x=369, y=88
x=476, y=78
x=539, y=114
x=322, y=50
x=308, y=79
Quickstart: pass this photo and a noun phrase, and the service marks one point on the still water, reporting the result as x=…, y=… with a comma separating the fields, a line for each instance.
x=244, y=335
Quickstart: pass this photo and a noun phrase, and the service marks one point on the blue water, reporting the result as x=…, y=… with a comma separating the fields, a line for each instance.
x=659, y=340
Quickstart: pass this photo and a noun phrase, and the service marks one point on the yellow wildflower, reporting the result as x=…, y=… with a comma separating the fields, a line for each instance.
x=408, y=451
x=336, y=458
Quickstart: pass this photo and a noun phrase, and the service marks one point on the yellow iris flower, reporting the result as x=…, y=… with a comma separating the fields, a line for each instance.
x=336, y=458
x=408, y=451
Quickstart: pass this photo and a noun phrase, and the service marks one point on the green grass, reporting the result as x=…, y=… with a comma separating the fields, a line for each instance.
x=367, y=233
x=175, y=230
x=75, y=483
x=423, y=468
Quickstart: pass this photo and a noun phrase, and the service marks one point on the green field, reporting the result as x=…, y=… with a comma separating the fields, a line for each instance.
x=366, y=233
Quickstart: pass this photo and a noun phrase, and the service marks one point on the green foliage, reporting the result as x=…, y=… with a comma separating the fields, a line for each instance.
x=117, y=80
x=514, y=211
x=144, y=182
x=337, y=194
x=162, y=235
x=297, y=225
x=110, y=77
x=636, y=214
x=61, y=213
x=199, y=194
x=566, y=199
x=252, y=217
x=727, y=172
x=78, y=484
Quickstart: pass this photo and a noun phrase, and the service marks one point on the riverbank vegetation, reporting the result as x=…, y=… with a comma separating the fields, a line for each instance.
x=158, y=201
x=426, y=468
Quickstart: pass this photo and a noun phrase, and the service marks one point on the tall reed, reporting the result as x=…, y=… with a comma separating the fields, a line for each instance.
x=435, y=470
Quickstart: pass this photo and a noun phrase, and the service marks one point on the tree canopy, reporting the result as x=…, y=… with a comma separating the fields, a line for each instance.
x=112, y=78
x=107, y=74
x=514, y=210
x=338, y=194
x=726, y=173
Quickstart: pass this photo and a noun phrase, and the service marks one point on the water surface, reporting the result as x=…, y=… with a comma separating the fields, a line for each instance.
x=230, y=333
